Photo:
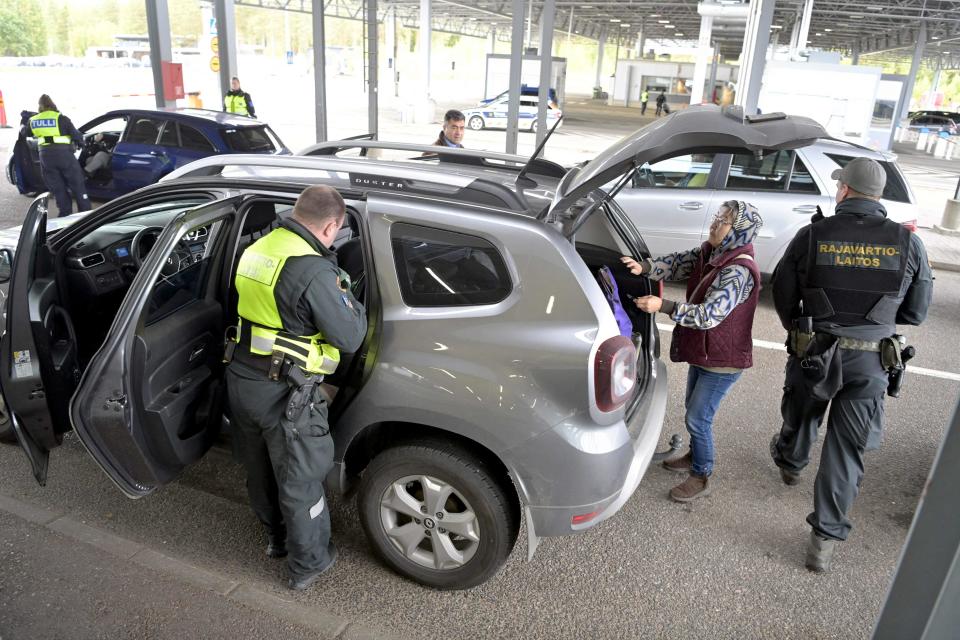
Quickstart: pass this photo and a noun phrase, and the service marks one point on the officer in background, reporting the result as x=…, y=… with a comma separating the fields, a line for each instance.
x=56, y=137
x=644, y=97
x=238, y=101
x=296, y=313
x=843, y=285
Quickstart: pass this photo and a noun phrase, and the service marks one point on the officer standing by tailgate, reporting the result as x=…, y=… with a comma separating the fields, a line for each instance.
x=296, y=313
x=56, y=136
x=843, y=285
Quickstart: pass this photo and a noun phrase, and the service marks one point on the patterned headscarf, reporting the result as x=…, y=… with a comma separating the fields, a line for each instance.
x=746, y=225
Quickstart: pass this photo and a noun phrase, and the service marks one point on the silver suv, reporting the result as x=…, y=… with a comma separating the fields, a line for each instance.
x=494, y=383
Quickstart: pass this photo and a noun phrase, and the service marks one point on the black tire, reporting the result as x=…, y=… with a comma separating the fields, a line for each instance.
x=476, y=123
x=7, y=436
x=471, y=478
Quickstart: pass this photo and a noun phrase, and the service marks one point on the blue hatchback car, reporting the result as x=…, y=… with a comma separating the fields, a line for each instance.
x=145, y=145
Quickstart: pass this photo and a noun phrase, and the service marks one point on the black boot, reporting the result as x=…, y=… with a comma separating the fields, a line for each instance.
x=277, y=545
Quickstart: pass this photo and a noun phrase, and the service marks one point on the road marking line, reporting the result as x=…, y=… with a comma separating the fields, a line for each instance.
x=776, y=346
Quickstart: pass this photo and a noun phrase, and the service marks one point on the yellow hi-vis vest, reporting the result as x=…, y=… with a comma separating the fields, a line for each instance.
x=257, y=276
x=46, y=128
x=236, y=104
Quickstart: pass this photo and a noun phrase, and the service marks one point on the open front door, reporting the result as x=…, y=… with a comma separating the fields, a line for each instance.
x=150, y=402
x=40, y=369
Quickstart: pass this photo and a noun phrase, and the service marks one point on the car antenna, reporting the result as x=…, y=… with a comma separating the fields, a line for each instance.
x=527, y=182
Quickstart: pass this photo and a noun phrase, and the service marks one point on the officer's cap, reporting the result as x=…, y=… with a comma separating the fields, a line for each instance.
x=863, y=175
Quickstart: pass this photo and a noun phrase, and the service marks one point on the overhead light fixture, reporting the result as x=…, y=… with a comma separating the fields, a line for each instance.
x=819, y=35
x=934, y=37
x=654, y=15
x=663, y=21
x=614, y=19
x=624, y=25
x=874, y=8
x=669, y=26
x=679, y=34
x=828, y=29
x=776, y=26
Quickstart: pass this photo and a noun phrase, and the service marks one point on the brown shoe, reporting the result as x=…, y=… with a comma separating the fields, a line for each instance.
x=690, y=489
x=681, y=464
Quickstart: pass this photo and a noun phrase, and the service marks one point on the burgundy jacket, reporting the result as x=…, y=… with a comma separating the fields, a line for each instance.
x=730, y=343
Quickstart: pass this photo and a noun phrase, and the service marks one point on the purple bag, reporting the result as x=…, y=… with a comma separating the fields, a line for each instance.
x=610, y=290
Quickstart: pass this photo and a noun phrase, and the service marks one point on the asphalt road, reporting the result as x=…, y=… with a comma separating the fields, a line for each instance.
x=729, y=566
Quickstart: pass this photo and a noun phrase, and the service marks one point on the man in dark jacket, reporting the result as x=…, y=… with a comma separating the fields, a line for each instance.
x=713, y=332
x=296, y=314
x=238, y=101
x=851, y=278
x=454, y=126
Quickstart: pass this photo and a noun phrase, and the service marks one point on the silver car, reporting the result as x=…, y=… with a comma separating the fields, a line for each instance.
x=494, y=383
x=671, y=201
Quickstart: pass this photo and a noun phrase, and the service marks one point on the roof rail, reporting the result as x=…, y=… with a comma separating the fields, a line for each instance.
x=356, y=174
x=455, y=155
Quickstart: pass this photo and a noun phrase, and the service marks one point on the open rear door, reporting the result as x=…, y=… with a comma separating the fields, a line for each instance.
x=150, y=402
x=40, y=368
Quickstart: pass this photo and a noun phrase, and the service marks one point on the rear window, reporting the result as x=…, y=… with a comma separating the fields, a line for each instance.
x=249, y=140
x=440, y=268
x=896, y=189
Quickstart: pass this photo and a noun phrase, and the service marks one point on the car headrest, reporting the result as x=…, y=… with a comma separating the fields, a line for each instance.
x=260, y=216
x=350, y=257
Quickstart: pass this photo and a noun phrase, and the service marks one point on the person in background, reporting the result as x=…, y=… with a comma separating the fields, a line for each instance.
x=644, y=97
x=713, y=331
x=454, y=126
x=56, y=138
x=661, y=102
x=238, y=101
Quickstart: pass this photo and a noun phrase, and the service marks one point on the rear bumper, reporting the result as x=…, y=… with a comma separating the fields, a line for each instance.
x=599, y=478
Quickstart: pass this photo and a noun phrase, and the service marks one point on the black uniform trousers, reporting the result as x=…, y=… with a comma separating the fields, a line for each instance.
x=286, y=462
x=854, y=425
x=61, y=171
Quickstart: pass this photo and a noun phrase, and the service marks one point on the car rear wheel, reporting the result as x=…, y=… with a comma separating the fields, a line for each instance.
x=476, y=123
x=436, y=514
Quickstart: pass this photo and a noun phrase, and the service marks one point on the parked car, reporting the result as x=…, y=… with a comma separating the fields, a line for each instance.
x=671, y=201
x=527, y=91
x=934, y=123
x=147, y=144
x=494, y=114
x=953, y=115
x=493, y=373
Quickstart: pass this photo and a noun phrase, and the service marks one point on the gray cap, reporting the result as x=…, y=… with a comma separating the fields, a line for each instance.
x=863, y=175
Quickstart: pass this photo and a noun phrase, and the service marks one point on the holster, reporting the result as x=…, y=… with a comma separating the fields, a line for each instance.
x=301, y=390
x=822, y=367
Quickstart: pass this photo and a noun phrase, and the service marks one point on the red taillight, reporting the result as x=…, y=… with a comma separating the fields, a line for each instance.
x=584, y=517
x=614, y=372
x=911, y=225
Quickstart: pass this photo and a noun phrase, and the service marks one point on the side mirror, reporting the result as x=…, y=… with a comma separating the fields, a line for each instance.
x=6, y=265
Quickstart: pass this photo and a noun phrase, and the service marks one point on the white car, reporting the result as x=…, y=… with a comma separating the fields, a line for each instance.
x=672, y=201
x=494, y=114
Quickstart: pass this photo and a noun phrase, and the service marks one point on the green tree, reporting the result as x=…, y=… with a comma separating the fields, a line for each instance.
x=22, y=28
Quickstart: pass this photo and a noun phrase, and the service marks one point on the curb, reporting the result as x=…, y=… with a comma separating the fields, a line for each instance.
x=944, y=266
x=327, y=624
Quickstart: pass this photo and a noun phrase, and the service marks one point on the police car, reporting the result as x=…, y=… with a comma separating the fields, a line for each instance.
x=494, y=114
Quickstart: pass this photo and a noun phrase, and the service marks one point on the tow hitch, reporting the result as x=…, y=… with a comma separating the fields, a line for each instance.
x=675, y=442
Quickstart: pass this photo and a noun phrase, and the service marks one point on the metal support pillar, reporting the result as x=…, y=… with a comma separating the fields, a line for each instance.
x=516, y=60
x=529, y=40
x=493, y=42
x=715, y=62
x=704, y=49
x=914, y=69
x=804, y=33
x=227, y=37
x=601, y=45
x=390, y=44
x=158, y=29
x=856, y=54
x=319, y=71
x=546, y=65
x=373, y=107
x=423, y=44
x=754, y=55
x=641, y=40
x=923, y=596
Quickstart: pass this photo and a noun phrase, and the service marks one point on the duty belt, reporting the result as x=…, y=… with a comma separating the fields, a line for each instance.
x=858, y=345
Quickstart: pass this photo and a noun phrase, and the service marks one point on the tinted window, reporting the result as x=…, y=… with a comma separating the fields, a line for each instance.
x=440, y=268
x=681, y=172
x=168, y=138
x=895, y=190
x=190, y=138
x=767, y=173
x=144, y=131
x=800, y=180
x=248, y=139
x=184, y=276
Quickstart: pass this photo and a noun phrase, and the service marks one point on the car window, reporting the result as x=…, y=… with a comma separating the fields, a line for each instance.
x=184, y=276
x=168, y=137
x=766, y=173
x=439, y=268
x=192, y=139
x=248, y=139
x=113, y=125
x=680, y=172
x=800, y=180
x=159, y=213
x=895, y=189
x=144, y=131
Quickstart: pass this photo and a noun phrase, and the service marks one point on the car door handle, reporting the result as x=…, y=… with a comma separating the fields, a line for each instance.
x=691, y=206
x=806, y=208
x=197, y=352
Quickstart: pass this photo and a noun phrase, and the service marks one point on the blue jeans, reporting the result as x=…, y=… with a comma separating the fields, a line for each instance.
x=705, y=390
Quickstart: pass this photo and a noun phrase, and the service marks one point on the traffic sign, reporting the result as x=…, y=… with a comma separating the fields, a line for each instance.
x=215, y=63
x=215, y=44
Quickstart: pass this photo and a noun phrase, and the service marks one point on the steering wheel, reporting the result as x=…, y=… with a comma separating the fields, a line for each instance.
x=143, y=242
